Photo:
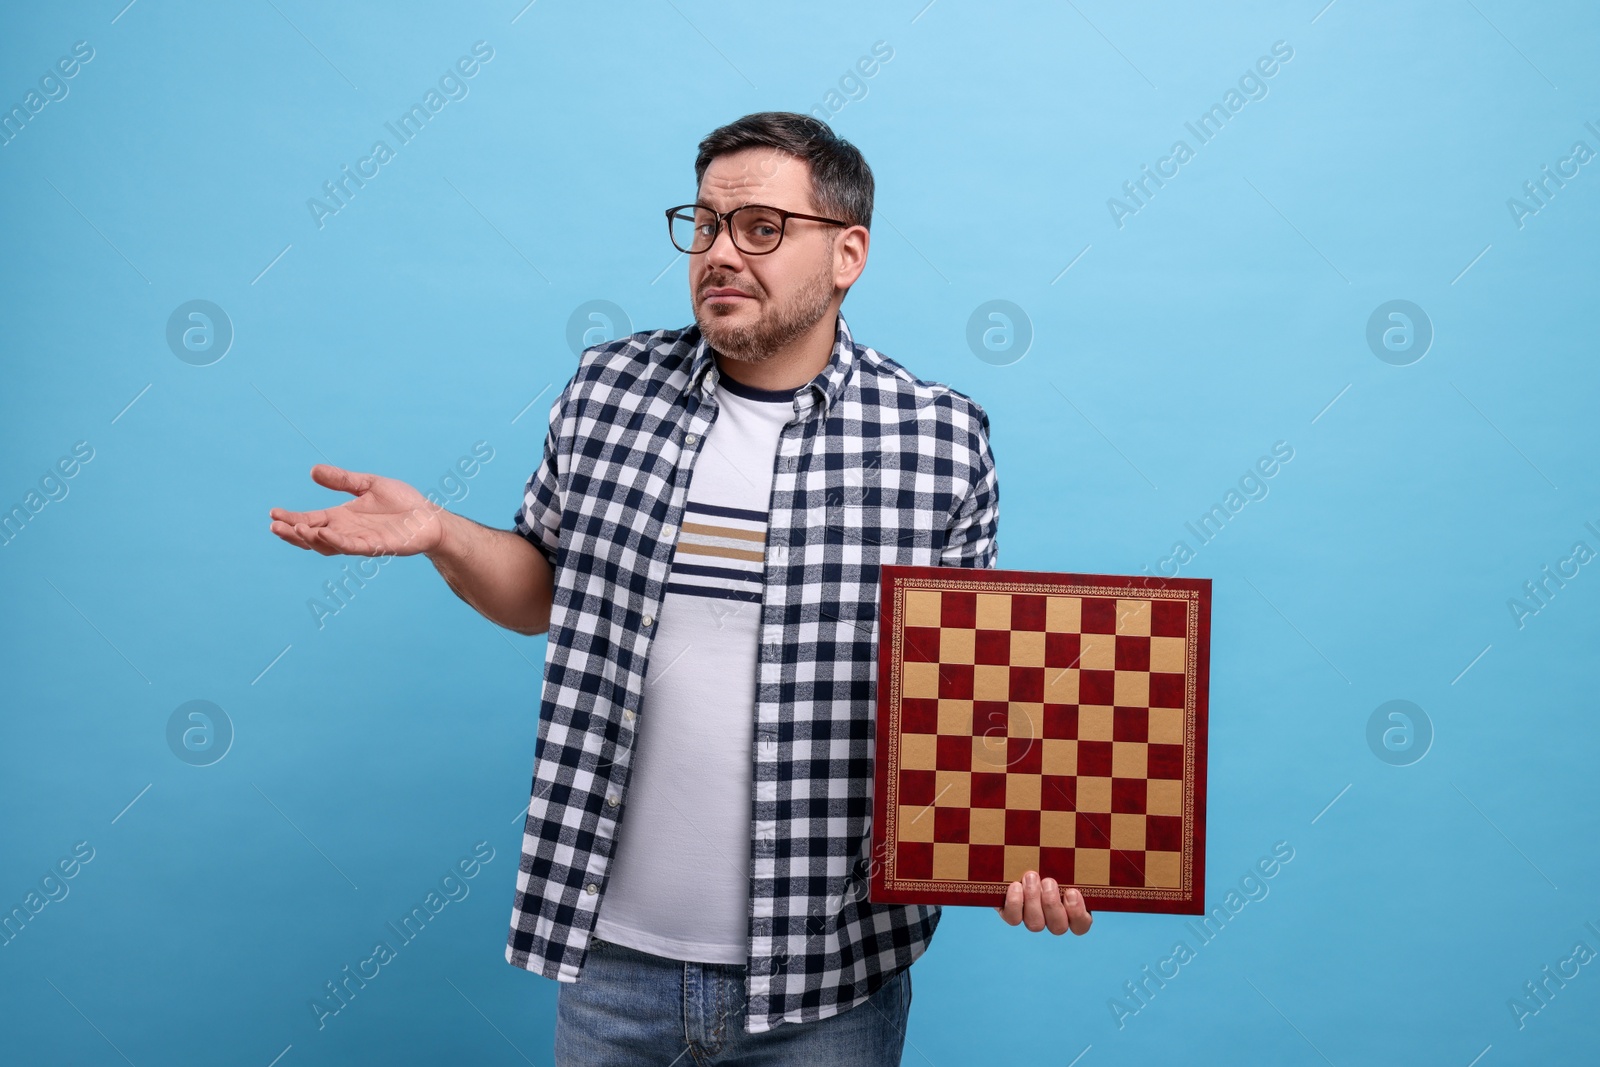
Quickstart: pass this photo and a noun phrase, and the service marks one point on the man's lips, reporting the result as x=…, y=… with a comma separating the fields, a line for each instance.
x=730, y=295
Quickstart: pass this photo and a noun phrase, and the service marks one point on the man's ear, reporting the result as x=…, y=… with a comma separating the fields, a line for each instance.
x=850, y=255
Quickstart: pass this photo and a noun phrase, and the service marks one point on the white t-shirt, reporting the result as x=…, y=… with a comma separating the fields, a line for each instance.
x=679, y=884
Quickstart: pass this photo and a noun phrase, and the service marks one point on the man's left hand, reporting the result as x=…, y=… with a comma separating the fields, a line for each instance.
x=1040, y=905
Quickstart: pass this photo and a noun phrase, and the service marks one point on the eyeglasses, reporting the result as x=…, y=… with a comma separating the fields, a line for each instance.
x=754, y=228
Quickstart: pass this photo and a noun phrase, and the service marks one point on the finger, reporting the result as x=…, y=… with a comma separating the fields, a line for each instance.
x=325, y=541
x=1055, y=912
x=1032, y=909
x=352, y=482
x=1079, y=917
x=315, y=540
x=1012, y=912
x=289, y=533
x=294, y=518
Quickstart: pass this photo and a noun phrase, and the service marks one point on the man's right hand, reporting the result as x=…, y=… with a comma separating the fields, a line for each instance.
x=387, y=517
x=499, y=572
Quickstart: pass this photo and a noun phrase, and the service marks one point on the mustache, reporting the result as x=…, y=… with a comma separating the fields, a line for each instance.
x=721, y=282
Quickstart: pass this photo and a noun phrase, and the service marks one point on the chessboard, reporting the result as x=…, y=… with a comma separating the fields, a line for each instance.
x=1034, y=720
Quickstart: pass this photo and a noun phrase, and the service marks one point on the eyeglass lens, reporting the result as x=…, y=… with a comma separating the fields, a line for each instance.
x=755, y=229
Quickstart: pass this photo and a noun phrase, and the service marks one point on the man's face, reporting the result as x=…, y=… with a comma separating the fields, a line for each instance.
x=747, y=306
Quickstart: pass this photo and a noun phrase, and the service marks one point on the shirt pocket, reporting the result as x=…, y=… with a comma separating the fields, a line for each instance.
x=875, y=534
x=871, y=516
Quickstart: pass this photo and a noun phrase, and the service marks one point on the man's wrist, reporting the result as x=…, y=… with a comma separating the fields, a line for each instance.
x=454, y=542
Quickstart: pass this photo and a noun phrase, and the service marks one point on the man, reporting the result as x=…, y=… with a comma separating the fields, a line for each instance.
x=702, y=544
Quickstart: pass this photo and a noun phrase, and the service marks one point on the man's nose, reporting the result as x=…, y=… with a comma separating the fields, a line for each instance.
x=722, y=252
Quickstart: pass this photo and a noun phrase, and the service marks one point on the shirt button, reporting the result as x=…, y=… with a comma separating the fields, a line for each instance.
x=627, y=714
x=690, y=439
x=648, y=620
x=612, y=800
x=591, y=888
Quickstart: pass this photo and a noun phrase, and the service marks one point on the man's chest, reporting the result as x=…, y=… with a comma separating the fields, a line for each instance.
x=860, y=486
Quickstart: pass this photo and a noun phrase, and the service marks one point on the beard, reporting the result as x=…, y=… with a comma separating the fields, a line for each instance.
x=779, y=325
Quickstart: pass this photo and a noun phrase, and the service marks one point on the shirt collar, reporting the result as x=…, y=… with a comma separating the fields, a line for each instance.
x=824, y=389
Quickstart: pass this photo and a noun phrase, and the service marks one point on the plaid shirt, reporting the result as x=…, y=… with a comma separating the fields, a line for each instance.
x=876, y=467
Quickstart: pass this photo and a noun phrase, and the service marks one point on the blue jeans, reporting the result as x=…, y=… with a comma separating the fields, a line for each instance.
x=632, y=1009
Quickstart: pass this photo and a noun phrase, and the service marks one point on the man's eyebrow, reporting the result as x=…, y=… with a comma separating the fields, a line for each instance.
x=747, y=203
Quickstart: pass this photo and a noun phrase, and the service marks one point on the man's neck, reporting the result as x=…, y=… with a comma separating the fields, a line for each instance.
x=791, y=366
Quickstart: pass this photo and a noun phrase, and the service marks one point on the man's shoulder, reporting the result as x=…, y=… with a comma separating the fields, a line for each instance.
x=645, y=354
x=889, y=383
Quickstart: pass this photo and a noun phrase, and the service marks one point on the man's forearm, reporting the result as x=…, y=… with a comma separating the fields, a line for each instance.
x=500, y=573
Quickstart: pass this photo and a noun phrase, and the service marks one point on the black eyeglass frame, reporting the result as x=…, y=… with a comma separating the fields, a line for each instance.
x=722, y=218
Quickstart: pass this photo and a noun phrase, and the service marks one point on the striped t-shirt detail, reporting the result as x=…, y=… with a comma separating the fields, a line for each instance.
x=721, y=551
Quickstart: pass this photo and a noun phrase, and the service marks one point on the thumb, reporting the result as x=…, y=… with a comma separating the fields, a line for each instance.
x=352, y=482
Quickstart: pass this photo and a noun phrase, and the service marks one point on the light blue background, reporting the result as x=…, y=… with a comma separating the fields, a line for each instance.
x=1229, y=313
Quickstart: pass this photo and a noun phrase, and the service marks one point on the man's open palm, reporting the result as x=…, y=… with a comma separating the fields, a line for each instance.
x=386, y=517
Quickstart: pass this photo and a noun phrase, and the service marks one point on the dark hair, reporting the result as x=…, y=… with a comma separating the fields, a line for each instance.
x=841, y=181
